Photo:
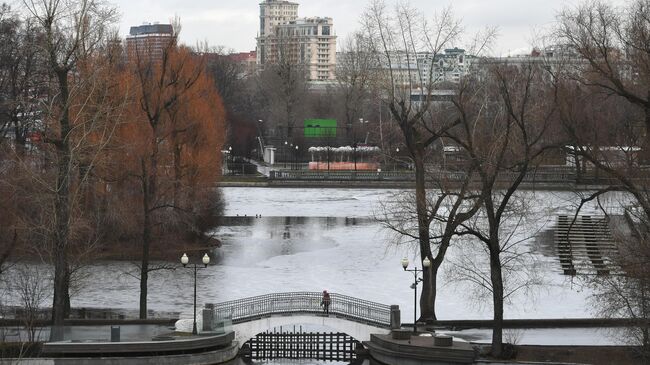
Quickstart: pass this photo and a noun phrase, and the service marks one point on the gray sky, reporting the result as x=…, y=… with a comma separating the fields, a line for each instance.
x=234, y=23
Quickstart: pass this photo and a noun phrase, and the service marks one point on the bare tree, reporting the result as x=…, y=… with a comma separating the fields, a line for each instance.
x=32, y=286
x=605, y=112
x=396, y=37
x=73, y=31
x=505, y=118
x=283, y=83
x=610, y=71
x=447, y=209
x=22, y=79
x=354, y=69
x=611, y=44
x=406, y=46
x=627, y=295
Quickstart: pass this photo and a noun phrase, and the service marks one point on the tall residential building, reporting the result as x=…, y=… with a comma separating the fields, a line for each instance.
x=310, y=42
x=149, y=40
x=275, y=12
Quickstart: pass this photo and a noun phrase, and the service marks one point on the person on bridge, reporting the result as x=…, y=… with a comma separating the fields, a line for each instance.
x=325, y=302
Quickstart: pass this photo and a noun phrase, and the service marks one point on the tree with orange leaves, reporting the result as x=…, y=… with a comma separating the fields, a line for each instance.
x=170, y=149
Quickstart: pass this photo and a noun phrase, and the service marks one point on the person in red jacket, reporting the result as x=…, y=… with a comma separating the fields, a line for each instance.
x=325, y=302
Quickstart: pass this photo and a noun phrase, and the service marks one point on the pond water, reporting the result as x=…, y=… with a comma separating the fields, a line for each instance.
x=281, y=239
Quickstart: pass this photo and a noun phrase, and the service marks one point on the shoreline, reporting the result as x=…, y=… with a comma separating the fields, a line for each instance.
x=386, y=184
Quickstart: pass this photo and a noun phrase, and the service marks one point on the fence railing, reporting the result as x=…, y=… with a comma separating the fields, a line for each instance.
x=354, y=309
x=539, y=175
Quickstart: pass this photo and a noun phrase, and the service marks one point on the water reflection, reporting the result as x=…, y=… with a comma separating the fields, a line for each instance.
x=250, y=240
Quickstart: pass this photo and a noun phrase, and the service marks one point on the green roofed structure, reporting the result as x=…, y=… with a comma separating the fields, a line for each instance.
x=319, y=128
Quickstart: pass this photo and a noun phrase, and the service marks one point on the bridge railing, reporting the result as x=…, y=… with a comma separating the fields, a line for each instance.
x=358, y=310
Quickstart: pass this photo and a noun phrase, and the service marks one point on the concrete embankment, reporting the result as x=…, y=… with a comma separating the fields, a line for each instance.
x=388, y=184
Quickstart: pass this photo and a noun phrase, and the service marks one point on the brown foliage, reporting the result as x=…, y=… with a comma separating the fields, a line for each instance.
x=169, y=141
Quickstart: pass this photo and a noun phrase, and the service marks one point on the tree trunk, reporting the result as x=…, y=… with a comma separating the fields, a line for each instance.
x=428, y=297
x=66, y=292
x=61, y=214
x=146, y=238
x=177, y=170
x=427, y=309
x=148, y=198
x=645, y=158
x=144, y=267
x=496, y=278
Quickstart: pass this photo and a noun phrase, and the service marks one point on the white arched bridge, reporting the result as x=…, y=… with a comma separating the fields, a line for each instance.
x=251, y=316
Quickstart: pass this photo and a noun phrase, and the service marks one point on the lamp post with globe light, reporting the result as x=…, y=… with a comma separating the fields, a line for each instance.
x=185, y=260
x=416, y=279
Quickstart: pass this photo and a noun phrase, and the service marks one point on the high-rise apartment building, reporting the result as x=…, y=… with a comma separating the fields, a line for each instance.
x=149, y=40
x=275, y=12
x=310, y=42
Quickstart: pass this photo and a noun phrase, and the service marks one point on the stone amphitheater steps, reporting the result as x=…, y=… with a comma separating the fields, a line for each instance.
x=585, y=246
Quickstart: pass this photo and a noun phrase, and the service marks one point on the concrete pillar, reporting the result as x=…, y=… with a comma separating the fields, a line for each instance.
x=207, y=314
x=395, y=317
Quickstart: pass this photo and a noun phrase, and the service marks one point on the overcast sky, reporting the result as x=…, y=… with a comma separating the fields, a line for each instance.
x=234, y=23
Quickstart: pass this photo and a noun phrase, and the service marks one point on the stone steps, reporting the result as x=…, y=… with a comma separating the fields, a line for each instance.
x=585, y=246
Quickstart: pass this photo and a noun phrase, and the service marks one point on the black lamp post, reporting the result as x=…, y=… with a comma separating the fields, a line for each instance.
x=184, y=261
x=416, y=279
x=231, y=161
x=397, y=155
x=296, y=158
x=285, y=153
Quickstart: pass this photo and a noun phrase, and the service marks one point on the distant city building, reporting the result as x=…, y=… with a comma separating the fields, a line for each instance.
x=310, y=42
x=422, y=69
x=149, y=40
x=276, y=12
x=247, y=61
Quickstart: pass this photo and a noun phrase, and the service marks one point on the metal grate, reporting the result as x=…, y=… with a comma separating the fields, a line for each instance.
x=303, y=345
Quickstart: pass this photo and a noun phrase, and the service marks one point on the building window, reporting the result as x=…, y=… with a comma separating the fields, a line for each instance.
x=326, y=30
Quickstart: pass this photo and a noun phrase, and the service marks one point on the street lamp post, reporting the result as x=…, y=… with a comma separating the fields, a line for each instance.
x=296, y=158
x=397, y=154
x=425, y=264
x=185, y=260
x=355, y=155
x=285, y=153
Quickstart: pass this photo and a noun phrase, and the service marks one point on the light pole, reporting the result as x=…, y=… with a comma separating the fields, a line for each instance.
x=285, y=153
x=261, y=139
x=184, y=261
x=425, y=263
x=397, y=154
x=230, y=160
x=355, y=155
x=296, y=159
x=364, y=126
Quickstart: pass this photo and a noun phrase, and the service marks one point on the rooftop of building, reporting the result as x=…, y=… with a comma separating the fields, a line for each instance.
x=285, y=2
x=310, y=21
x=243, y=56
x=155, y=28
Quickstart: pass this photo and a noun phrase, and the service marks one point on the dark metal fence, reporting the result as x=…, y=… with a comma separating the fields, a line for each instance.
x=353, y=309
x=540, y=175
x=287, y=345
x=341, y=175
